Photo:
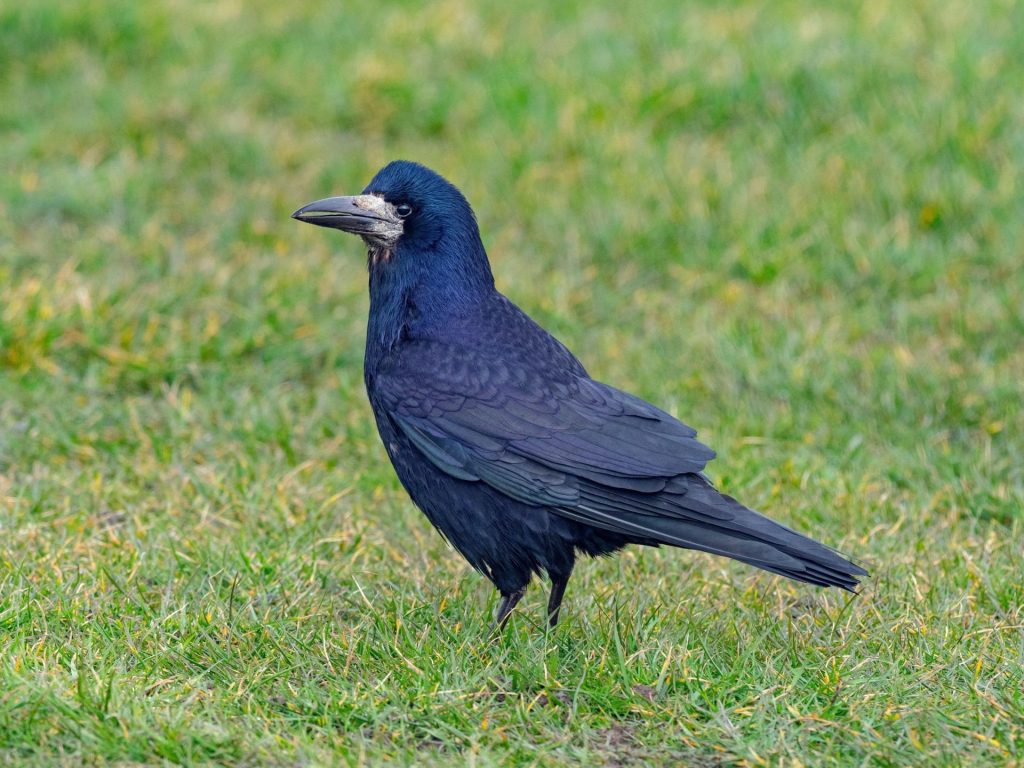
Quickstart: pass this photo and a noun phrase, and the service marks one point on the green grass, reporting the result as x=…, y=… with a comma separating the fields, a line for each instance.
x=797, y=225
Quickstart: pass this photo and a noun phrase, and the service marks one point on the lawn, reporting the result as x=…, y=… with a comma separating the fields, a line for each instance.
x=796, y=225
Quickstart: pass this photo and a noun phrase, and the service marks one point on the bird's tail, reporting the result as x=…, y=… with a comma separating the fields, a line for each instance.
x=692, y=514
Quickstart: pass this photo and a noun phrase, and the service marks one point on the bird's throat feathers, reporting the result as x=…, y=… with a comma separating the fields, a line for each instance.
x=423, y=291
x=376, y=254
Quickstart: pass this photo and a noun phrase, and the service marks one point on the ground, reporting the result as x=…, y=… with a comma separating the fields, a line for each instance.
x=796, y=226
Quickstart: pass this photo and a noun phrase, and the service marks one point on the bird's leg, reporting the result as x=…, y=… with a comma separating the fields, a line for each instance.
x=508, y=602
x=558, y=585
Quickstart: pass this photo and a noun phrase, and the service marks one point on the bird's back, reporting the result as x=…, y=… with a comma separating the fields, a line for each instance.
x=497, y=327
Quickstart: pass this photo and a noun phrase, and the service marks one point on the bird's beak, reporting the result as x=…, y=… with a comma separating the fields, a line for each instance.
x=366, y=215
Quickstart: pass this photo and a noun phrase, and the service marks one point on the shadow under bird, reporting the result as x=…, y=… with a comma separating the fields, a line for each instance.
x=515, y=454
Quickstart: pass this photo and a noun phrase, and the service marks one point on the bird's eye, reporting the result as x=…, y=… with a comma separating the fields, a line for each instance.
x=403, y=210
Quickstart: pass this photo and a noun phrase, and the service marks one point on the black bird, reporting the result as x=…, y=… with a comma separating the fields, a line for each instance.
x=513, y=452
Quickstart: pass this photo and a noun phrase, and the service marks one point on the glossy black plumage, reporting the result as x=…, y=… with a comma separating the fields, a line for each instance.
x=513, y=452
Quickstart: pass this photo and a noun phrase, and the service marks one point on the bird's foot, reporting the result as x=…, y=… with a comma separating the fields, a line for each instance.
x=508, y=602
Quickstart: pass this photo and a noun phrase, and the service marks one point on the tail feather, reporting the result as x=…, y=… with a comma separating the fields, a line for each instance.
x=701, y=518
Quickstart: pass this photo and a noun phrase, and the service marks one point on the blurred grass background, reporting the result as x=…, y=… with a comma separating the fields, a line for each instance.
x=796, y=225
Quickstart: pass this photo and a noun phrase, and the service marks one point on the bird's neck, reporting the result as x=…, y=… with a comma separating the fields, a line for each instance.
x=422, y=295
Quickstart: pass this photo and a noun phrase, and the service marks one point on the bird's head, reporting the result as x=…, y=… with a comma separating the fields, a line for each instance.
x=408, y=215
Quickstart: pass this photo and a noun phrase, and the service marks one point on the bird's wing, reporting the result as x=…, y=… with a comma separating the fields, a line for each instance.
x=462, y=407
x=586, y=451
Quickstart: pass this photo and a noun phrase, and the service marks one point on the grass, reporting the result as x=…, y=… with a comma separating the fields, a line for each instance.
x=798, y=226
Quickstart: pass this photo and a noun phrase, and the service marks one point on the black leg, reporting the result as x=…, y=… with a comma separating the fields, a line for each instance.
x=508, y=602
x=558, y=586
